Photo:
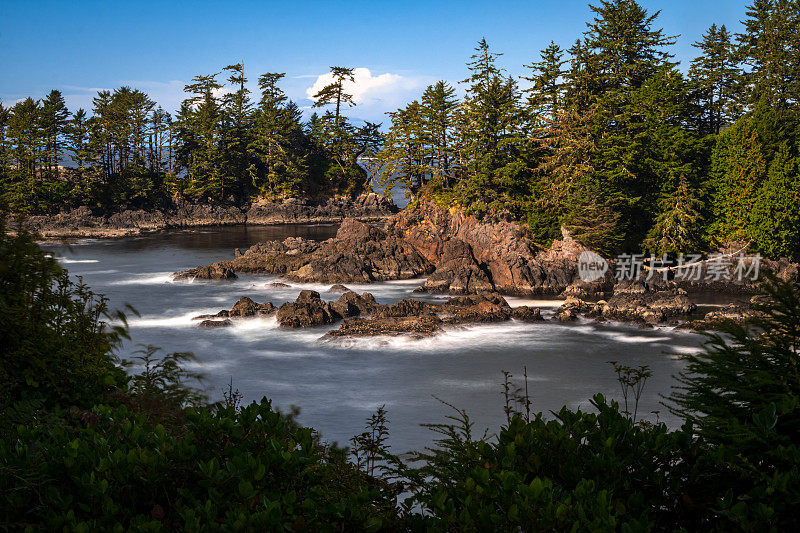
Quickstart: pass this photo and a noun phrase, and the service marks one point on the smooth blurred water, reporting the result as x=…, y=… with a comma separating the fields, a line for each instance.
x=339, y=383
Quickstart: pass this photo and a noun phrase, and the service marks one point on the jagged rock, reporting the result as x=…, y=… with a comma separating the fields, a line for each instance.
x=306, y=311
x=277, y=285
x=474, y=308
x=513, y=264
x=215, y=323
x=353, y=304
x=246, y=307
x=457, y=272
x=243, y=308
x=216, y=271
x=338, y=288
x=525, y=313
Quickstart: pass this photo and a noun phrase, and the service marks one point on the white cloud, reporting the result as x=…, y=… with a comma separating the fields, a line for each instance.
x=374, y=94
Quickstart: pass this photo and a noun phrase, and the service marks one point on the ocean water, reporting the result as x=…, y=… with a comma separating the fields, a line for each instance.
x=339, y=383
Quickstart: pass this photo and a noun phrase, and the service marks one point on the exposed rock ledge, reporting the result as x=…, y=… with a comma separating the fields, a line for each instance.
x=362, y=316
x=82, y=223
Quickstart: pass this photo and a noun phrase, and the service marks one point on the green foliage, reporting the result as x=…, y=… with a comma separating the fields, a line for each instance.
x=743, y=394
x=57, y=342
x=677, y=226
x=755, y=182
x=111, y=468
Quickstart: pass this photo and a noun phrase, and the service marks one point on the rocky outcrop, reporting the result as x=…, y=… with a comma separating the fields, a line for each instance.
x=413, y=326
x=636, y=303
x=361, y=315
x=459, y=253
x=526, y=313
x=83, y=222
x=457, y=271
x=419, y=319
x=244, y=308
x=338, y=287
x=495, y=254
x=360, y=253
x=307, y=310
x=215, y=323
x=215, y=271
x=353, y=304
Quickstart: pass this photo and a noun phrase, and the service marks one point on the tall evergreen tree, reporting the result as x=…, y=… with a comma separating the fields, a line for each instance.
x=54, y=118
x=677, y=228
x=199, y=134
x=627, y=56
x=546, y=95
x=714, y=77
x=237, y=113
x=491, y=136
x=770, y=47
x=278, y=144
x=438, y=115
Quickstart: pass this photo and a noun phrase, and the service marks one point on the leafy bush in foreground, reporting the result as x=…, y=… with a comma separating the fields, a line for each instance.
x=84, y=447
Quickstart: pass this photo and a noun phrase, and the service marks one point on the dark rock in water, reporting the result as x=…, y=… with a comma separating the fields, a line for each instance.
x=246, y=307
x=737, y=313
x=476, y=308
x=637, y=304
x=277, y=285
x=306, y=311
x=573, y=307
x=222, y=314
x=338, y=288
x=353, y=304
x=216, y=271
x=404, y=308
x=415, y=326
x=525, y=313
x=215, y=323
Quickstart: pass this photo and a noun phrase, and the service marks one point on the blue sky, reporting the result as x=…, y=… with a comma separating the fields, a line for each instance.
x=79, y=47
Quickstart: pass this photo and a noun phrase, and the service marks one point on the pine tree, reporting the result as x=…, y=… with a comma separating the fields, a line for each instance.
x=54, y=117
x=770, y=47
x=774, y=220
x=278, y=144
x=567, y=193
x=629, y=64
x=439, y=105
x=237, y=111
x=491, y=137
x=546, y=95
x=334, y=92
x=714, y=77
x=403, y=155
x=677, y=226
x=199, y=134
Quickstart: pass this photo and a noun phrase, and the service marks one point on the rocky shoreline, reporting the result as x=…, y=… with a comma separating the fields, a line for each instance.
x=83, y=223
x=462, y=256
